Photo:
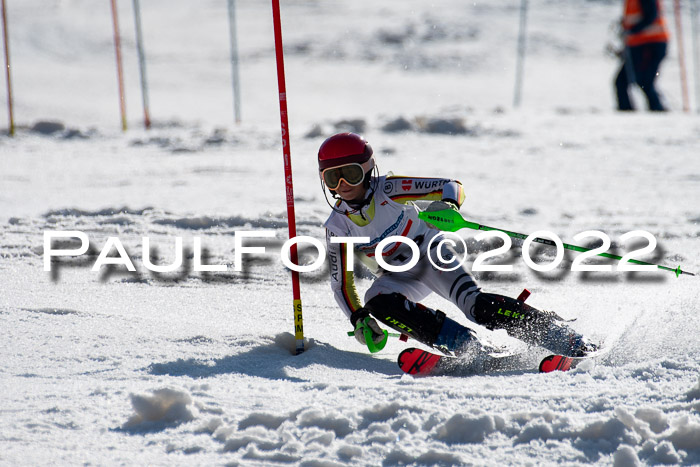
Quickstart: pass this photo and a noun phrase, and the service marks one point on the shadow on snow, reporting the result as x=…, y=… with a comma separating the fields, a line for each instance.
x=273, y=360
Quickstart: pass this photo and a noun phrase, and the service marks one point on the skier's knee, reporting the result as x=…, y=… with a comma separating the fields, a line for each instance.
x=413, y=319
x=495, y=311
x=536, y=327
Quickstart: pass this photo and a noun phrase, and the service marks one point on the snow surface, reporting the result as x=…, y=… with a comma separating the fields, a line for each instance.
x=113, y=367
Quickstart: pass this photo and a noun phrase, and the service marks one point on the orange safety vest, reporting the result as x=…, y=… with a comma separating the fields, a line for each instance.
x=655, y=32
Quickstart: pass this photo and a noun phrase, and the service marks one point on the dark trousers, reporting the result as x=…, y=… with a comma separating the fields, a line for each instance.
x=641, y=64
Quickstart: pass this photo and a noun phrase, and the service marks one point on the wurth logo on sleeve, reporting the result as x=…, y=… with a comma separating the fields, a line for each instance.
x=429, y=184
x=406, y=184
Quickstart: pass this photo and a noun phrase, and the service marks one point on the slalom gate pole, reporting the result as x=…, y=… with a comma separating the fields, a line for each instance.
x=120, y=72
x=11, y=122
x=286, y=153
x=520, y=61
x=234, y=60
x=142, y=64
x=681, y=54
x=695, y=30
x=450, y=220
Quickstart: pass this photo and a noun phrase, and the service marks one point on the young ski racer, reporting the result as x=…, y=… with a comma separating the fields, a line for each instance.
x=377, y=207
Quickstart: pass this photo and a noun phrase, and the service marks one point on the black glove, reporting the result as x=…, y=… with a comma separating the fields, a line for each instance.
x=442, y=205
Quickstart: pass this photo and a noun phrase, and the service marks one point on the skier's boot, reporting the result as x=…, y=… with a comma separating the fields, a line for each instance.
x=536, y=327
x=457, y=339
x=428, y=326
x=474, y=356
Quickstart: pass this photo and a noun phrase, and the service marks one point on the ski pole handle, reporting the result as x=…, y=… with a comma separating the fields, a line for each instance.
x=371, y=345
x=390, y=334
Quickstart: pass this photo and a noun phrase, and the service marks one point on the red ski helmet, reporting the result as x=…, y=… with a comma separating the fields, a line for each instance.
x=342, y=149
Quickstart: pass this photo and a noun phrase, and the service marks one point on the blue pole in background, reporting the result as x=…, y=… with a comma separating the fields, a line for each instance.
x=522, y=36
x=694, y=27
x=234, y=61
x=142, y=64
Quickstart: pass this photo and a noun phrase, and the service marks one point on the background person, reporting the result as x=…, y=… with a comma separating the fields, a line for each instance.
x=645, y=42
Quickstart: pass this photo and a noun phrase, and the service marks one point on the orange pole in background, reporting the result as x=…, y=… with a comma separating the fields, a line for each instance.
x=120, y=73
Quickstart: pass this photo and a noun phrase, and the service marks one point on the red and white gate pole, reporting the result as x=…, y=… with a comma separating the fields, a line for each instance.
x=279, y=52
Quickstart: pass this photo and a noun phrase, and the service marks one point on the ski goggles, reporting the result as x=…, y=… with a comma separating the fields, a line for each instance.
x=353, y=174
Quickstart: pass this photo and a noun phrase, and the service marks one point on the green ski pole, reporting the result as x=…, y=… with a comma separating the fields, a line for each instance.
x=450, y=220
x=374, y=348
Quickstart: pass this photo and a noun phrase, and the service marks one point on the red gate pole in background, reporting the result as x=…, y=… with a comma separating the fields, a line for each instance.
x=681, y=55
x=695, y=30
x=120, y=73
x=11, y=123
x=279, y=52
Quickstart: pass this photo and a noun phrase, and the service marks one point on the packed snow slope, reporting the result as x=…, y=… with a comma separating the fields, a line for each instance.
x=180, y=368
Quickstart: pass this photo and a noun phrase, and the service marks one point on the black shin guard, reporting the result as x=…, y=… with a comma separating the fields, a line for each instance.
x=517, y=318
x=417, y=321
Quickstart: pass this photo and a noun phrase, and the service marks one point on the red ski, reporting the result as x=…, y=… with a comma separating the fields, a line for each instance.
x=562, y=363
x=419, y=362
x=557, y=363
